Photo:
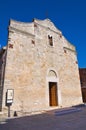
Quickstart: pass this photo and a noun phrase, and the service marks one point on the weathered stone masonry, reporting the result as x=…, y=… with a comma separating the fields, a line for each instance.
x=41, y=67
x=2, y=71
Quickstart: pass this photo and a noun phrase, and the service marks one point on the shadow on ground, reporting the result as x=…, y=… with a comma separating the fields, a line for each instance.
x=73, y=119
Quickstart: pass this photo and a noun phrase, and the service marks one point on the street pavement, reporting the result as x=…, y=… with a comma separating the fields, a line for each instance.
x=73, y=118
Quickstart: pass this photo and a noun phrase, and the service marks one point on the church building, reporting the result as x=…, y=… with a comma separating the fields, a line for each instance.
x=40, y=69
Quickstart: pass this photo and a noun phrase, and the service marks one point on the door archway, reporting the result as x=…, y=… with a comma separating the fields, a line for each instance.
x=52, y=87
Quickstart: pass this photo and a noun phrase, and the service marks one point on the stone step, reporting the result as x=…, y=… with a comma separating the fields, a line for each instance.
x=2, y=118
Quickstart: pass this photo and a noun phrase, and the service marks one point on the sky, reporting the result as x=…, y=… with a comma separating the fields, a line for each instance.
x=68, y=15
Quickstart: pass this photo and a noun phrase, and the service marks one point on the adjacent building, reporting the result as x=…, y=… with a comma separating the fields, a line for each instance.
x=82, y=72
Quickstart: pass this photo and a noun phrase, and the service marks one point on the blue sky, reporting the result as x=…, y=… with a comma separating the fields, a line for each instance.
x=68, y=15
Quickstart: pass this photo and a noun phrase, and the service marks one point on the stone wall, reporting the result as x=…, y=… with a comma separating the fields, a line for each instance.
x=29, y=61
x=2, y=71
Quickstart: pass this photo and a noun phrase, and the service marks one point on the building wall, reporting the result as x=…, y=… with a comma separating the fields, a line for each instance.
x=82, y=72
x=2, y=68
x=32, y=63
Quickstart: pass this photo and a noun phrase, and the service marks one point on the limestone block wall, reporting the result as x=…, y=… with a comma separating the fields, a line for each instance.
x=70, y=81
x=30, y=58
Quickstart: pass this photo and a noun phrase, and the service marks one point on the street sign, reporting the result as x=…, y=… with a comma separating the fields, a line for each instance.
x=10, y=95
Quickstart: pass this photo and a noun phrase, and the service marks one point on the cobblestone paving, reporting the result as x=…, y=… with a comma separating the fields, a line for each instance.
x=48, y=121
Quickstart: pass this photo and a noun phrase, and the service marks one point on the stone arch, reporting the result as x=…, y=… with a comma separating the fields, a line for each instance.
x=52, y=81
x=52, y=73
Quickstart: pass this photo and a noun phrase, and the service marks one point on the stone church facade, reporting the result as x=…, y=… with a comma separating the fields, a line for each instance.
x=41, y=68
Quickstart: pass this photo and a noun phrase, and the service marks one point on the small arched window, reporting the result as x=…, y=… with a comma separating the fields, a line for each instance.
x=50, y=40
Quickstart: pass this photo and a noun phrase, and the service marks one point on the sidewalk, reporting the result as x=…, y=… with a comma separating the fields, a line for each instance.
x=2, y=118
